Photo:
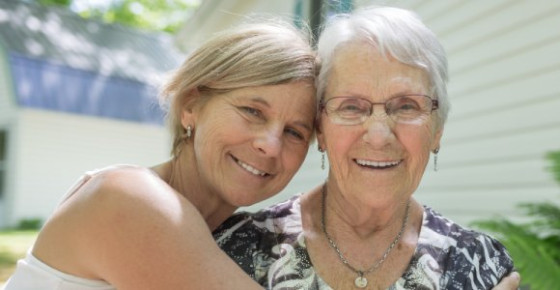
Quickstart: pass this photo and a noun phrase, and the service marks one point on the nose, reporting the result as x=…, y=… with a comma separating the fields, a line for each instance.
x=268, y=142
x=381, y=111
x=378, y=130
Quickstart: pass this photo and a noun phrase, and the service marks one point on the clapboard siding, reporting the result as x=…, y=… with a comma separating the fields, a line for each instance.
x=6, y=94
x=535, y=90
x=54, y=149
x=504, y=64
x=533, y=143
x=468, y=205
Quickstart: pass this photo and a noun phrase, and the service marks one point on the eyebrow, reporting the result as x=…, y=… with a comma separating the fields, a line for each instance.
x=260, y=101
x=266, y=104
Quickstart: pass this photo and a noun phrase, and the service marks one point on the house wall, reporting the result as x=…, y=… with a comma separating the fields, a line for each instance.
x=504, y=68
x=54, y=149
x=7, y=114
x=6, y=93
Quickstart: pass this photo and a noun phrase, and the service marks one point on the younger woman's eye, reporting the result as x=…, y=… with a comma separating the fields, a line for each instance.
x=251, y=111
x=295, y=133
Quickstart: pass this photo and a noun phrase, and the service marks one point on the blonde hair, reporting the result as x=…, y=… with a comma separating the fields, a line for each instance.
x=252, y=54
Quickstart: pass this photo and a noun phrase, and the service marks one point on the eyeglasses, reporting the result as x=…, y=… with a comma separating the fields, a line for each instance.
x=408, y=109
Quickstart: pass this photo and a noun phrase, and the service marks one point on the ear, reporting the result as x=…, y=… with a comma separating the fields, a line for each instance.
x=188, y=110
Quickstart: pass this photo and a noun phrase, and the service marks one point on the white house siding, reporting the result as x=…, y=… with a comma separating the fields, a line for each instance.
x=7, y=111
x=6, y=94
x=54, y=149
x=505, y=69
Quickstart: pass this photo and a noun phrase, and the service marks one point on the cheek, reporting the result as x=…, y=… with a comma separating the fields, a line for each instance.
x=417, y=143
x=294, y=157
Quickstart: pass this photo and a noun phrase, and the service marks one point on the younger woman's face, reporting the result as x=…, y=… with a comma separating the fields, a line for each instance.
x=249, y=143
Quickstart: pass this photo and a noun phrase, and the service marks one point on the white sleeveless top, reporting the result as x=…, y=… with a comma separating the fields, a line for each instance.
x=33, y=274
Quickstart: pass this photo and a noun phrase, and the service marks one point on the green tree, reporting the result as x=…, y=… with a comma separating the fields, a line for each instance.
x=56, y=2
x=154, y=15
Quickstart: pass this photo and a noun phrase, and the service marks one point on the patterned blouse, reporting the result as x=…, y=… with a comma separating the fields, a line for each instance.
x=269, y=245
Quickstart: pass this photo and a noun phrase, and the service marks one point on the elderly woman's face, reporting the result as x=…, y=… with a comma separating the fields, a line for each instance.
x=380, y=161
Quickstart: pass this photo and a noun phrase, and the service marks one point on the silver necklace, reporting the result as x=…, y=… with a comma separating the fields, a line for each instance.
x=360, y=281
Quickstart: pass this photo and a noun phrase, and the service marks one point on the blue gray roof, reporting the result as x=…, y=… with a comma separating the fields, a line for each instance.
x=60, y=61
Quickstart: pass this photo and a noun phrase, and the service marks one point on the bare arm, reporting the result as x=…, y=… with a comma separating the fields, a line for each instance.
x=131, y=230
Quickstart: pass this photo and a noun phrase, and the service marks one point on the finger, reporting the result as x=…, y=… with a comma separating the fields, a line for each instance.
x=510, y=282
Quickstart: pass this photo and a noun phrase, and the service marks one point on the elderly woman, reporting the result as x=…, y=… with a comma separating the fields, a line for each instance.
x=383, y=105
x=242, y=111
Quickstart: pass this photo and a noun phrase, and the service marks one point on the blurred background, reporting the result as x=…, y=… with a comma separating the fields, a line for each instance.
x=79, y=82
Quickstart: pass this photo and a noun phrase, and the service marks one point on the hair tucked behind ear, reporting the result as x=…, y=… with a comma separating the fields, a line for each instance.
x=252, y=54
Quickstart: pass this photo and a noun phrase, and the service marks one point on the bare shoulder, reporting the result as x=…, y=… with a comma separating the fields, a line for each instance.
x=129, y=228
x=128, y=187
x=111, y=209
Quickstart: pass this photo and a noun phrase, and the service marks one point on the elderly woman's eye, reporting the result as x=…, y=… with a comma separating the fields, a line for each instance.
x=405, y=104
x=350, y=107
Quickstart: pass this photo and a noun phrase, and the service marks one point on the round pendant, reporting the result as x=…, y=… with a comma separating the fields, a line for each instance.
x=360, y=282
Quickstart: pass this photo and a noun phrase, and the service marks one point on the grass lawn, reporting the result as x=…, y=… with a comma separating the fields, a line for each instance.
x=13, y=246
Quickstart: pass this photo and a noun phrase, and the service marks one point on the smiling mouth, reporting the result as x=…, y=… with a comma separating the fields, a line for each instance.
x=250, y=168
x=377, y=164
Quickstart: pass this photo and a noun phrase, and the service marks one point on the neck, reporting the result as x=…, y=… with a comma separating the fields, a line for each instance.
x=342, y=219
x=182, y=175
x=361, y=270
x=363, y=220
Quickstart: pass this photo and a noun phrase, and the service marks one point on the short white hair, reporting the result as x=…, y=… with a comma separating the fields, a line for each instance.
x=395, y=31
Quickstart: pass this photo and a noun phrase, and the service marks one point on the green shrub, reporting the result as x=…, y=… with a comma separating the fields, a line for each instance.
x=29, y=224
x=535, y=245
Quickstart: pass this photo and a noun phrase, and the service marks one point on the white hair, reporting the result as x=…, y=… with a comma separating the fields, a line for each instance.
x=396, y=31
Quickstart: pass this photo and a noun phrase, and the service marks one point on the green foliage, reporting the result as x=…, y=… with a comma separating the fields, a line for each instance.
x=153, y=15
x=55, y=2
x=13, y=246
x=535, y=245
x=29, y=224
x=555, y=158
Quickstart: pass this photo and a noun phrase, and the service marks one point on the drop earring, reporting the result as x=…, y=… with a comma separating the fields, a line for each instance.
x=322, y=157
x=189, y=132
x=436, y=151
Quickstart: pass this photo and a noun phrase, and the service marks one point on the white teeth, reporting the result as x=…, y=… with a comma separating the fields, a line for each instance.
x=251, y=169
x=376, y=163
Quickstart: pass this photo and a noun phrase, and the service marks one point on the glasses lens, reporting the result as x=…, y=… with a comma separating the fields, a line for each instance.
x=348, y=111
x=409, y=109
x=403, y=109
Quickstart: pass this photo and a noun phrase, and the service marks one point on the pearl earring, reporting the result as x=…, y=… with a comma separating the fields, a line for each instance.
x=189, y=131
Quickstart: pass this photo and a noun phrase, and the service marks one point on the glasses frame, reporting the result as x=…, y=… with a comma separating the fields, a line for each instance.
x=323, y=104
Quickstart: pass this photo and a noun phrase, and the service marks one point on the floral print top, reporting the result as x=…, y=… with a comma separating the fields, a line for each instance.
x=269, y=245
